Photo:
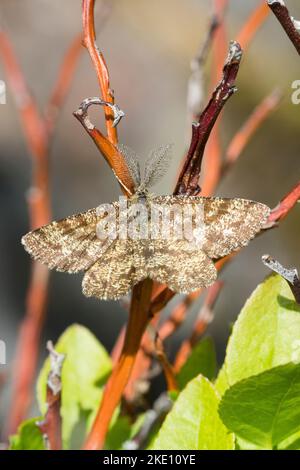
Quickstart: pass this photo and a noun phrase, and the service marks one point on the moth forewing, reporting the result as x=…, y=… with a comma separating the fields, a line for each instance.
x=69, y=245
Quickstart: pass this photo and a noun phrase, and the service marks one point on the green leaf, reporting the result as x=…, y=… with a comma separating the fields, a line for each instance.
x=194, y=423
x=202, y=360
x=291, y=443
x=221, y=383
x=267, y=332
x=122, y=430
x=119, y=433
x=264, y=409
x=85, y=370
x=29, y=437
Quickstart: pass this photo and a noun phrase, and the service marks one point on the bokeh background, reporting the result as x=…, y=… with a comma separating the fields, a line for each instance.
x=148, y=47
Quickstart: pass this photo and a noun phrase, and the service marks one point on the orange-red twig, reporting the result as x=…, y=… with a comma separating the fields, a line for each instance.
x=89, y=41
x=138, y=320
x=37, y=130
x=111, y=154
x=63, y=83
x=254, y=22
x=253, y=123
x=285, y=206
x=178, y=315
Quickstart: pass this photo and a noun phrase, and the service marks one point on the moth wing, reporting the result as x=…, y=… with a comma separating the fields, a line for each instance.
x=114, y=274
x=70, y=244
x=229, y=224
x=173, y=263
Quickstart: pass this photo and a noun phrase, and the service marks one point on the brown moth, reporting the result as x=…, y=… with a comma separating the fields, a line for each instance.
x=113, y=266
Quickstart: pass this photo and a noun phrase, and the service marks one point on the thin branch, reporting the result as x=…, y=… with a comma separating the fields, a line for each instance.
x=253, y=23
x=189, y=177
x=253, y=123
x=138, y=320
x=178, y=315
x=38, y=131
x=289, y=24
x=89, y=41
x=290, y=275
x=195, y=93
x=284, y=207
x=63, y=83
x=110, y=152
x=51, y=426
x=220, y=41
x=166, y=366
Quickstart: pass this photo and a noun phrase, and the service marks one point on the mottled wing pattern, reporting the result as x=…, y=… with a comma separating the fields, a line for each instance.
x=70, y=244
x=229, y=224
x=171, y=262
x=114, y=274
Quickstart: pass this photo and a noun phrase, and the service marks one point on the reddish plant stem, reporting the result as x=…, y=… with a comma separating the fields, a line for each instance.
x=37, y=131
x=282, y=14
x=253, y=123
x=205, y=317
x=178, y=315
x=253, y=23
x=63, y=83
x=189, y=177
x=138, y=320
x=111, y=154
x=89, y=41
x=285, y=206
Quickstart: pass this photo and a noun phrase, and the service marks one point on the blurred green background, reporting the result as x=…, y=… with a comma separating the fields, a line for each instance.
x=148, y=47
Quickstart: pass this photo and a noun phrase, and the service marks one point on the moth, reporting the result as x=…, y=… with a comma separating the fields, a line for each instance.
x=113, y=266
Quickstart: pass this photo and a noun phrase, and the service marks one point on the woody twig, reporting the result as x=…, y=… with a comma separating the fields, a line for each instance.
x=289, y=24
x=51, y=426
x=189, y=178
x=290, y=275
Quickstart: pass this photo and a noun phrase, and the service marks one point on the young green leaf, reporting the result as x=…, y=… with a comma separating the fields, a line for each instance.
x=122, y=430
x=85, y=370
x=264, y=409
x=266, y=333
x=28, y=437
x=194, y=423
x=202, y=360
